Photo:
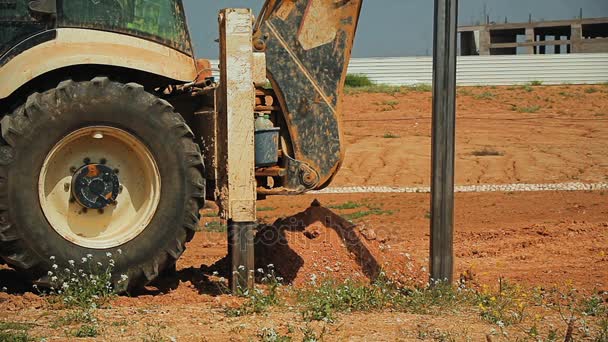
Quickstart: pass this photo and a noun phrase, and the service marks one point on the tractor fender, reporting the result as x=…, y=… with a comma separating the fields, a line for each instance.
x=73, y=46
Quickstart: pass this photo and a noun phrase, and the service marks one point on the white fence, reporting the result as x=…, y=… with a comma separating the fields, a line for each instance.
x=488, y=70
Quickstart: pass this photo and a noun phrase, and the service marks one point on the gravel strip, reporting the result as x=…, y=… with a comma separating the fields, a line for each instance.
x=469, y=188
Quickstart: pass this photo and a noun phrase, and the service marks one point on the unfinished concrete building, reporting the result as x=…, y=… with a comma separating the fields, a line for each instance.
x=546, y=37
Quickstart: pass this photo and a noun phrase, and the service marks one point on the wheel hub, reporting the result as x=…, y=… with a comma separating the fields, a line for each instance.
x=95, y=186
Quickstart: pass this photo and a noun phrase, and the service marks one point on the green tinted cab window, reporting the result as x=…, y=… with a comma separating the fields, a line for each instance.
x=159, y=20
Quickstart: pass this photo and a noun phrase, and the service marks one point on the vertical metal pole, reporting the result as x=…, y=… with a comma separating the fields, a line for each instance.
x=235, y=139
x=443, y=150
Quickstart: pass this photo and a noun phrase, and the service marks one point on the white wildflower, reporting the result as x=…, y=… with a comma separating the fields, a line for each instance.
x=119, y=251
x=49, y=273
x=90, y=256
x=241, y=268
x=53, y=278
x=260, y=270
x=215, y=273
x=55, y=266
x=52, y=257
x=124, y=277
x=71, y=262
x=84, y=260
x=270, y=265
x=109, y=255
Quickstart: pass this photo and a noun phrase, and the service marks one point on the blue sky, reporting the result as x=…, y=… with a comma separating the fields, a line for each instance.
x=394, y=28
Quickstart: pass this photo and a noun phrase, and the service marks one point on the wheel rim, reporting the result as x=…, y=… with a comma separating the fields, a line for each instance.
x=119, y=221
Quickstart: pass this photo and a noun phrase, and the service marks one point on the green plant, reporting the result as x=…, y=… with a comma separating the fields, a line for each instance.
x=258, y=300
x=375, y=89
x=86, y=284
x=15, y=332
x=529, y=109
x=526, y=87
x=216, y=226
x=506, y=307
x=271, y=335
x=422, y=87
x=594, y=306
x=536, y=83
x=358, y=81
x=485, y=96
x=360, y=214
x=210, y=214
x=265, y=209
x=309, y=334
x=486, y=151
x=346, y=205
x=591, y=90
x=464, y=92
x=390, y=136
x=86, y=330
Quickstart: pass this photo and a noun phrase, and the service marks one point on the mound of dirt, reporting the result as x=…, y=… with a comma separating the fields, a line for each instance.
x=317, y=244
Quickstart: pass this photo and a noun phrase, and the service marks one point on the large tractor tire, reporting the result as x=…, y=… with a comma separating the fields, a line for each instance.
x=91, y=168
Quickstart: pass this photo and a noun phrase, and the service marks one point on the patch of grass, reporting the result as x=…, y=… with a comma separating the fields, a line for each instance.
x=210, y=214
x=216, y=226
x=526, y=87
x=536, y=83
x=484, y=96
x=526, y=109
x=422, y=87
x=346, y=205
x=258, y=300
x=358, y=81
x=566, y=94
x=391, y=103
x=389, y=135
x=591, y=90
x=271, y=335
x=86, y=330
x=375, y=89
x=265, y=209
x=15, y=332
x=594, y=306
x=361, y=214
x=506, y=307
x=486, y=151
x=310, y=335
x=464, y=92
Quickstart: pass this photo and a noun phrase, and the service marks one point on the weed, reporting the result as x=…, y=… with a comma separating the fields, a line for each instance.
x=591, y=90
x=346, y=205
x=602, y=335
x=258, y=300
x=599, y=114
x=594, y=306
x=487, y=152
x=536, y=83
x=216, y=226
x=265, y=209
x=566, y=94
x=322, y=302
x=390, y=136
x=15, y=332
x=358, y=81
x=485, y=96
x=375, y=89
x=360, y=214
x=526, y=87
x=504, y=308
x=86, y=284
x=86, y=330
x=310, y=335
x=210, y=214
x=271, y=335
x=427, y=215
x=465, y=92
x=422, y=87
x=529, y=109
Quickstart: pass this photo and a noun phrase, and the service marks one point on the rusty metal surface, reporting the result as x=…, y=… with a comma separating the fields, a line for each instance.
x=308, y=45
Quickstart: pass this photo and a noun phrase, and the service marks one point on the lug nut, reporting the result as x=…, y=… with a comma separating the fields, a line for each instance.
x=116, y=171
x=103, y=161
x=87, y=161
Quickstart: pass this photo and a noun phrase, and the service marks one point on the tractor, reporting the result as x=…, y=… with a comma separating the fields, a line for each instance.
x=113, y=135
